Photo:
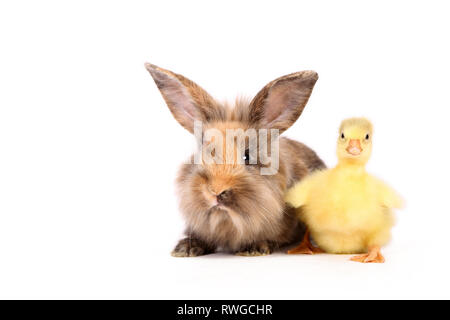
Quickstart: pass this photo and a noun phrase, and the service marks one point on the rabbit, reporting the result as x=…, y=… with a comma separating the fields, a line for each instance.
x=232, y=207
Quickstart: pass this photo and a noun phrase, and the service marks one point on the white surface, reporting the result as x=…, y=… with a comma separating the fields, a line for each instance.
x=89, y=151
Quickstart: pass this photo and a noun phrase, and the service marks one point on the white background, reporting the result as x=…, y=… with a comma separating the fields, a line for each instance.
x=89, y=151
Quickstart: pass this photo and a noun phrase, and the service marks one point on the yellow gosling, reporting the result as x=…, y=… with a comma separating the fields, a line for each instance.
x=346, y=209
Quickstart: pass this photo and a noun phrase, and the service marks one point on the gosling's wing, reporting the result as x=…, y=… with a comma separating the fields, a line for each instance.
x=390, y=197
x=297, y=196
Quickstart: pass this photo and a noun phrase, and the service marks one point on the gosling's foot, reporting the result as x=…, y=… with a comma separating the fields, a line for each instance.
x=373, y=256
x=305, y=247
x=302, y=248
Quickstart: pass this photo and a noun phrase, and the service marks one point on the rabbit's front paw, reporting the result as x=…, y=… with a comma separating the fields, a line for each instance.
x=262, y=248
x=190, y=247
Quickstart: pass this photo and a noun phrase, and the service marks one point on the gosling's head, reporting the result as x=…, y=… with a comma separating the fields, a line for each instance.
x=355, y=141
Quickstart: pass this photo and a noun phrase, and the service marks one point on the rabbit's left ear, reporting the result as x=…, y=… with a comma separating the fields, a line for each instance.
x=280, y=103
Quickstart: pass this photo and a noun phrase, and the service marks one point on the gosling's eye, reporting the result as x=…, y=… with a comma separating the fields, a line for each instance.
x=367, y=136
x=342, y=135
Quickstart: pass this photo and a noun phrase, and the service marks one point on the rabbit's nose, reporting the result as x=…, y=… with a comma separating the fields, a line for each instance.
x=223, y=196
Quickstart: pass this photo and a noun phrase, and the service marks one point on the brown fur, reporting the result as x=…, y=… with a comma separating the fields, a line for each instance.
x=253, y=217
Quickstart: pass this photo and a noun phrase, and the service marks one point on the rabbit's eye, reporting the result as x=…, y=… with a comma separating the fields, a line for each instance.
x=342, y=135
x=367, y=136
x=246, y=157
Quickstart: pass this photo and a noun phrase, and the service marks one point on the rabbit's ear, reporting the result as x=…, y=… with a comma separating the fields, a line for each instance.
x=186, y=100
x=279, y=104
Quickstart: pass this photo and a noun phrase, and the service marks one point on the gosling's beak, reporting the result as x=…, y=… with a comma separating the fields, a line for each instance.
x=354, y=147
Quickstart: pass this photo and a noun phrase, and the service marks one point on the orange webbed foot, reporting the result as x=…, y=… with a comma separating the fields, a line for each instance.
x=305, y=247
x=373, y=256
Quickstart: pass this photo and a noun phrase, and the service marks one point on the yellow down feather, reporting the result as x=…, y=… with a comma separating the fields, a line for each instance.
x=346, y=209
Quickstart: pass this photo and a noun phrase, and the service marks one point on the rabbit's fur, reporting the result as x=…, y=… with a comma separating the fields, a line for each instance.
x=252, y=218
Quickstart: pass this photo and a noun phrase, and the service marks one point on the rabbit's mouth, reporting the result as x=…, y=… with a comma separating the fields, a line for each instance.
x=218, y=209
x=218, y=206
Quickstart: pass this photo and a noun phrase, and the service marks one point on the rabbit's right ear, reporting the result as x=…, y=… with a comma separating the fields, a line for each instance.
x=186, y=100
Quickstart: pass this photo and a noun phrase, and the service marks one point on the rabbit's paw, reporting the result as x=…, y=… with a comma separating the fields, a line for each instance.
x=190, y=247
x=262, y=248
